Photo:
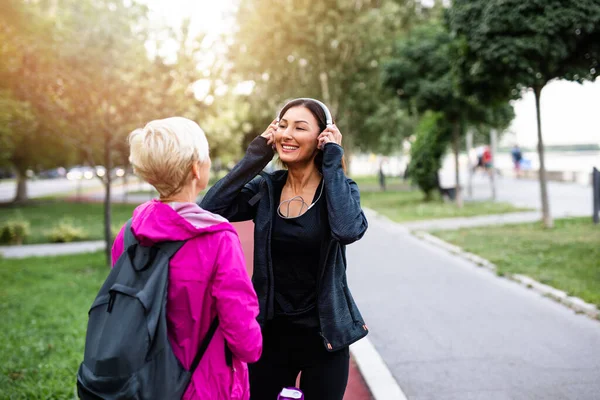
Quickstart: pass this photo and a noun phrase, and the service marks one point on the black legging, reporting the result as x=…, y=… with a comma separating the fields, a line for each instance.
x=288, y=351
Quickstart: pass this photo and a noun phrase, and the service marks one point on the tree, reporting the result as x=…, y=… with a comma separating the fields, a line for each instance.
x=79, y=78
x=111, y=85
x=16, y=120
x=103, y=83
x=422, y=75
x=516, y=44
x=108, y=84
x=425, y=72
x=27, y=93
x=328, y=50
x=431, y=141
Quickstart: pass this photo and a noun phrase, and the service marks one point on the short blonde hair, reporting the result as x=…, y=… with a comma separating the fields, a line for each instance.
x=163, y=152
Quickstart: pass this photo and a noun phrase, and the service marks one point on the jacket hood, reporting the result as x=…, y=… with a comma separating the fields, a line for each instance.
x=155, y=221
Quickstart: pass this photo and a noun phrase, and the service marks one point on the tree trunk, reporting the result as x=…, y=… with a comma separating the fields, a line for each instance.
x=107, y=203
x=428, y=196
x=324, y=79
x=21, y=192
x=125, y=187
x=469, y=166
x=546, y=216
x=456, y=145
x=493, y=141
x=79, y=193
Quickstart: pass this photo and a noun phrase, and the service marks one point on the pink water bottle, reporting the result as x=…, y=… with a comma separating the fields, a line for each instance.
x=291, y=394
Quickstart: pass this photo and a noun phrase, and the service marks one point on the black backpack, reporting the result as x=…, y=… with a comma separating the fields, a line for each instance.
x=127, y=351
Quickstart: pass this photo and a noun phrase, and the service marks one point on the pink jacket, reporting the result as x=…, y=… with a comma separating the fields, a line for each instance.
x=207, y=277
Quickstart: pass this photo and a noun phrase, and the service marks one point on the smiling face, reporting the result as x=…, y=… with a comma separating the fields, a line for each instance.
x=296, y=136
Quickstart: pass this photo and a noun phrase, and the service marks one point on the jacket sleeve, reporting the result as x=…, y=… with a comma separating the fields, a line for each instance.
x=236, y=301
x=346, y=218
x=230, y=197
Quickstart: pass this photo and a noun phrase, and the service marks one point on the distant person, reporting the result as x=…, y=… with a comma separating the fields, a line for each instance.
x=517, y=158
x=207, y=277
x=488, y=162
x=304, y=216
x=479, y=154
x=486, y=159
x=382, y=177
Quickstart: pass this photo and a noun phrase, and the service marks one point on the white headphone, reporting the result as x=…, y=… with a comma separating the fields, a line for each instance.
x=328, y=117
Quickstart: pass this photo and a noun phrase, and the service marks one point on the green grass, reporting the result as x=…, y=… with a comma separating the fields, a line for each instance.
x=408, y=205
x=43, y=216
x=371, y=183
x=43, y=306
x=566, y=257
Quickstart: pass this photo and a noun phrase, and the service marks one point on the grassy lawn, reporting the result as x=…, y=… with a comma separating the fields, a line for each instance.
x=566, y=257
x=371, y=183
x=408, y=205
x=43, y=216
x=43, y=305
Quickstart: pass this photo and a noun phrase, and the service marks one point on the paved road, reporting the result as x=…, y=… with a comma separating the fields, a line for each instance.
x=46, y=187
x=469, y=222
x=566, y=199
x=449, y=330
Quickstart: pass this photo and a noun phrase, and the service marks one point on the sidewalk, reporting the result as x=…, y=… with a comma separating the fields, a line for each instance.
x=566, y=200
x=50, y=249
x=470, y=222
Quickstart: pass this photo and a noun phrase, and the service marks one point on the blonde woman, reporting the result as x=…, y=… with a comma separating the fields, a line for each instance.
x=207, y=276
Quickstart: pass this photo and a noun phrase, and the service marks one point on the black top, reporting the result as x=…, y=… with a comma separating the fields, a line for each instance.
x=295, y=251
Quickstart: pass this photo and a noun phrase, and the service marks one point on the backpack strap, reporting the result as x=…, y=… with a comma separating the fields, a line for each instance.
x=205, y=343
x=128, y=237
x=170, y=248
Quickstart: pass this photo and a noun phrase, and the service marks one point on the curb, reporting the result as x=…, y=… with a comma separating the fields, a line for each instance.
x=574, y=303
x=375, y=372
x=51, y=249
x=372, y=367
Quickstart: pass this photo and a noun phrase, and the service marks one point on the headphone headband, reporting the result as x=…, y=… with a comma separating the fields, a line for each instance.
x=328, y=117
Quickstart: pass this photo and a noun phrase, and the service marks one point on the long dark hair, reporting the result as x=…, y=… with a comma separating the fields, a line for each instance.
x=319, y=114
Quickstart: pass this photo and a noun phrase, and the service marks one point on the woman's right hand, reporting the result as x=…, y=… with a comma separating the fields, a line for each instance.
x=269, y=134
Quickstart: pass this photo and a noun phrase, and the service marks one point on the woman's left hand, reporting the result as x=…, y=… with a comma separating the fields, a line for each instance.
x=331, y=134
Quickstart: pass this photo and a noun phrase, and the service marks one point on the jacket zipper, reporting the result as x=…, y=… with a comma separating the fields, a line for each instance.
x=320, y=282
x=269, y=259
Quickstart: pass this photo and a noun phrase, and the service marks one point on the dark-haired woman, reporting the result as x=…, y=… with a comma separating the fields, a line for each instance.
x=304, y=217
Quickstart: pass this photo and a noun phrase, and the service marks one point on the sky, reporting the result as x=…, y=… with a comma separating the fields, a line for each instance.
x=570, y=111
x=211, y=16
x=570, y=115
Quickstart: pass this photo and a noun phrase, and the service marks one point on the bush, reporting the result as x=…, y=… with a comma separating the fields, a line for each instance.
x=14, y=231
x=426, y=152
x=66, y=231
